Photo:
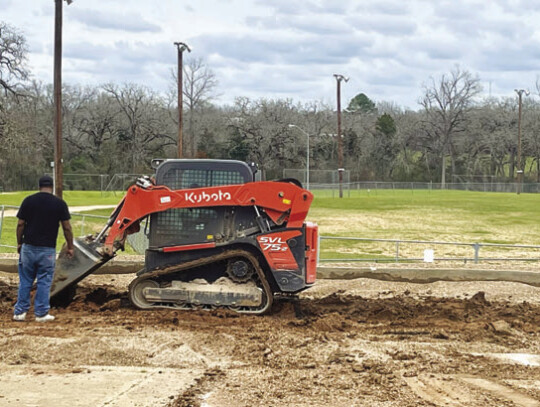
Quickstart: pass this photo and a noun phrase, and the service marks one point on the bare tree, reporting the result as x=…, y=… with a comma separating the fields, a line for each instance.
x=25, y=131
x=263, y=128
x=491, y=144
x=91, y=126
x=142, y=131
x=12, y=59
x=446, y=102
x=198, y=90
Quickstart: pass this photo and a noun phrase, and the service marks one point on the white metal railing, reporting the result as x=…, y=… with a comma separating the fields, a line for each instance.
x=74, y=215
x=2, y=213
x=398, y=244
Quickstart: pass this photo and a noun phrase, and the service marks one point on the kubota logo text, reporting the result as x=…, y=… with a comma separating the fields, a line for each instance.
x=274, y=244
x=206, y=197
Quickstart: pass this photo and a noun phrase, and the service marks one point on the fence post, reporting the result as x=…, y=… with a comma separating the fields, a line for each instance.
x=318, y=247
x=1, y=222
x=397, y=252
x=82, y=226
x=476, y=252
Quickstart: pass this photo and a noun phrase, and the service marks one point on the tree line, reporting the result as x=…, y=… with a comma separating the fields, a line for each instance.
x=108, y=129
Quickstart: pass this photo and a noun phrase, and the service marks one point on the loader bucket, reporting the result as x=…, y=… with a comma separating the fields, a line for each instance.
x=69, y=271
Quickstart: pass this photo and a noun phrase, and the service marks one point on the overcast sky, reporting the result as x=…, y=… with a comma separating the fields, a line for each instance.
x=289, y=48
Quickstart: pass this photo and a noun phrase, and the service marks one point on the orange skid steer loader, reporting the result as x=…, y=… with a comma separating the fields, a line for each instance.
x=216, y=238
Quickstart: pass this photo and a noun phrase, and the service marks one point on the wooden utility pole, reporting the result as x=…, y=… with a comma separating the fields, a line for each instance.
x=181, y=47
x=519, y=170
x=520, y=93
x=340, y=78
x=58, y=171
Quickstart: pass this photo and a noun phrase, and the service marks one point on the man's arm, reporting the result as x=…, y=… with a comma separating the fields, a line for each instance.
x=20, y=232
x=68, y=234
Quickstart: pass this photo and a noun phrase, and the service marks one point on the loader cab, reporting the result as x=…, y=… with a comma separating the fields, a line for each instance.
x=184, y=173
x=195, y=225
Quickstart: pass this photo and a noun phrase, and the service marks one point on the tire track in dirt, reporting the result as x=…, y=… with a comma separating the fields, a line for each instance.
x=465, y=391
x=519, y=399
x=441, y=391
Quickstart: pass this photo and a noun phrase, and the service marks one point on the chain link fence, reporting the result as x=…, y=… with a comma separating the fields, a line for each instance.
x=511, y=187
x=328, y=180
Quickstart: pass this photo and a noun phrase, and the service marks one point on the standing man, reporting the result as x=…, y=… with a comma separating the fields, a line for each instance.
x=37, y=230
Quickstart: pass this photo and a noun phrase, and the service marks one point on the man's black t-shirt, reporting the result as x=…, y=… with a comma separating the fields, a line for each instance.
x=42, y=213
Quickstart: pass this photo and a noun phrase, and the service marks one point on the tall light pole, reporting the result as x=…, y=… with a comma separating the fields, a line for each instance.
x=340, y=78
x=181, y=47
x=58, y=169
x=520, y=93
x=307, y=152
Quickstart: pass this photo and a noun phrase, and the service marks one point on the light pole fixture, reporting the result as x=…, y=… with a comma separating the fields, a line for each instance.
x=307, y=152
x=58, y=169
x=520, y=93
x=340, y=78
x=181, y=47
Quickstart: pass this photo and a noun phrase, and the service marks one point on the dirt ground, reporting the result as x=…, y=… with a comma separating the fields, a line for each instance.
x=343, y=343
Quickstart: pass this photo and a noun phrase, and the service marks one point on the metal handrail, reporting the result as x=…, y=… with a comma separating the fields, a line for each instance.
x=82, y=215
x=396, y=258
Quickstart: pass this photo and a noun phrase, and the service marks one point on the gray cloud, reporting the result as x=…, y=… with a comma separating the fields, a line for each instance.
x=400, y=79
x=436, y=47
x=474, y=22
x=388, y=26
x=458, y=10
x=517, y=6
x=519, y=58
x=286, y=6
x=392, y=8
x=130, y=22
x=291, y=49
x=137, y=52
x=120, y=62
x=329, y=8
x=287, y=51
x=318, y=25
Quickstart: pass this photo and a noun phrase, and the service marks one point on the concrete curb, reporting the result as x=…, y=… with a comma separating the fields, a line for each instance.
x=410, y=275
x=115, y=266
x=429, y=275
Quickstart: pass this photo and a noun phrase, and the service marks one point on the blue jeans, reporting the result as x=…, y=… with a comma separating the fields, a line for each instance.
x=35, y=262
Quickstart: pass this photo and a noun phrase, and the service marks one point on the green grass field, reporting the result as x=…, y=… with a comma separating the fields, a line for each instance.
x=448, y=216
x=73, y=198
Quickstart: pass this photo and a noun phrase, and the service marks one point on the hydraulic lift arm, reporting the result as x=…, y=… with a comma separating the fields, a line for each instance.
x=283, y=202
